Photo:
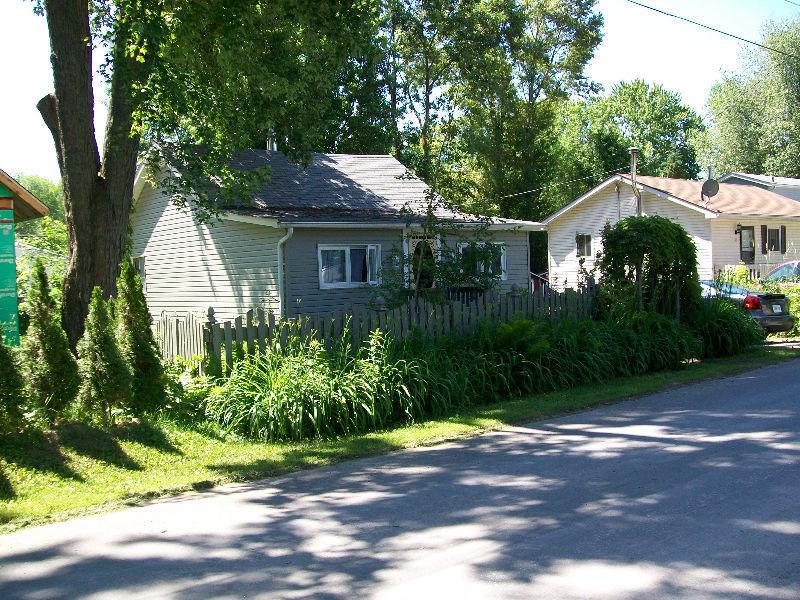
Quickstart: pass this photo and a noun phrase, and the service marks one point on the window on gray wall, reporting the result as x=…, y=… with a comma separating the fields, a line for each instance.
x=348, y=265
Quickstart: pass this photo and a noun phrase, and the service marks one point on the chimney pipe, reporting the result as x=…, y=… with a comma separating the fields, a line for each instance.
x=634, y=156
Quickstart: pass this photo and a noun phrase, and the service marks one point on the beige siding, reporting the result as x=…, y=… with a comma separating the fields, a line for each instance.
x=726, y=241
x=606, y=206
x=588, y=217
x=190, y=266
x=695, y=223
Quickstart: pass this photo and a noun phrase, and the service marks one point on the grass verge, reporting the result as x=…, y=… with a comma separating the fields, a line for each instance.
x=77, y=469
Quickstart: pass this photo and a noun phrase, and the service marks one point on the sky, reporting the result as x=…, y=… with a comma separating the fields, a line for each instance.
x=637, y=43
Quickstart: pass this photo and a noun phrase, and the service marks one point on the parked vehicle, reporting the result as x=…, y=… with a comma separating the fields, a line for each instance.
x=789, y=271
x=769, y=310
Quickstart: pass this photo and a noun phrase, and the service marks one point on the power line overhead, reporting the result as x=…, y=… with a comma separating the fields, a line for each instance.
x=704, y=26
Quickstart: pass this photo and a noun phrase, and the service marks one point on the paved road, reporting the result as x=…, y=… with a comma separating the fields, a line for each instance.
x=692, y=493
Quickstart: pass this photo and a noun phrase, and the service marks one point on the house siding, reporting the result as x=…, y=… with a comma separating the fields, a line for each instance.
x=606, y=206
x=304, y=295
x=695, y=224
x=588, y=217
x=726, y=241
x=190, y=266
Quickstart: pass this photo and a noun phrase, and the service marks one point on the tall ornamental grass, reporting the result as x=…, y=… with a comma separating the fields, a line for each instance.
x=724, y=328
x=305, y=391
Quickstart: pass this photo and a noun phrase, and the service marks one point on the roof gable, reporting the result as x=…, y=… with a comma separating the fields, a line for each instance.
x=625, y=180
x=732, y=199
x=26, y=205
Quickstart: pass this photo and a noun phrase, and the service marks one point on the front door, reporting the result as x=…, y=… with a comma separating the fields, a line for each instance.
x=747, y=245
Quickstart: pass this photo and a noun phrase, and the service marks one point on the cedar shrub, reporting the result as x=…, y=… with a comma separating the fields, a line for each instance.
x=137, y=343
x=11, y=388
x=48, y=365
x=106, y=378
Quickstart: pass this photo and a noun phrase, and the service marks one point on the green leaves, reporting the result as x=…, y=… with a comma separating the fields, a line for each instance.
x=48, y=365
x=105, y=376
x=649, y=263
x=755, y=111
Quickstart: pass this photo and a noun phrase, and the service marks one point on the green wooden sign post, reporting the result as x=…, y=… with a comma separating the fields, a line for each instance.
x=9, y=313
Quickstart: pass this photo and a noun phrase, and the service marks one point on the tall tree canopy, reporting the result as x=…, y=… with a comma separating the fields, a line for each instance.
x=755, y=111
x=189, y=82
x=595, y=135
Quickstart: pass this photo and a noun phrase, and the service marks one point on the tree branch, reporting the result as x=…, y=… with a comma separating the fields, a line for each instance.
x=48, y=108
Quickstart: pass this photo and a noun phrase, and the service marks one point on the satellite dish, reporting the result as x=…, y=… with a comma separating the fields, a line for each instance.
x=710, y=188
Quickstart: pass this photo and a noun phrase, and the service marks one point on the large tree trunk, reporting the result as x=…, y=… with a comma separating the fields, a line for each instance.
x=97, y=195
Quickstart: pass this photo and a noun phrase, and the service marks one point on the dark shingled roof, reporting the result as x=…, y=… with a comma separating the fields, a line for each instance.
x=341, y=188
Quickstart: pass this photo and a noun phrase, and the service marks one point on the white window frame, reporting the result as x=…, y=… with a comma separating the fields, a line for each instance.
x=590, y=255
x=140, y=270
x=503, y=257
x=372, y=278
x=778, y=231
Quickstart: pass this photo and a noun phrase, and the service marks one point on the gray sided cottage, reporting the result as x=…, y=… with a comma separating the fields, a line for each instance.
x=312, y=241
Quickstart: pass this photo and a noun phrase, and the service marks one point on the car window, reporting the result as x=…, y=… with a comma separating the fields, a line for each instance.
x=783, y=273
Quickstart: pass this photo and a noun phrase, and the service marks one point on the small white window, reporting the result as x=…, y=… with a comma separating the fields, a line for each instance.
x=583, y=241
x=473, y=265
x=138, y=265
x=773, y=240
x=349, y=266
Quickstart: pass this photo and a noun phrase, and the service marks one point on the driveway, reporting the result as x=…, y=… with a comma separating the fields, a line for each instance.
x=692, y=493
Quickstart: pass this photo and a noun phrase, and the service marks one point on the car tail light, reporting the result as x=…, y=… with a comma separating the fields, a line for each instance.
x=752, y=302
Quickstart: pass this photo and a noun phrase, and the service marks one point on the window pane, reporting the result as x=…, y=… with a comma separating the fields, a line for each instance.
x=496, y=268
x=333, y=266
x=469, y=257
x=584, y=242
x=372, y=253
x=358, y=265
x=773, y=240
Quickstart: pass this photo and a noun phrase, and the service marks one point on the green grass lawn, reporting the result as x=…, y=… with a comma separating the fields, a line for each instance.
x=78, y=469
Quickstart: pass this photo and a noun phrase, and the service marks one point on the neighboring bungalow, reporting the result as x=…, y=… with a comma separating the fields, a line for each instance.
x=740, y=224
x=312, y=240
x=785, y=186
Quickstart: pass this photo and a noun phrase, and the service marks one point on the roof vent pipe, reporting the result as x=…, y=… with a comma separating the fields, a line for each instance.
x=634, y=157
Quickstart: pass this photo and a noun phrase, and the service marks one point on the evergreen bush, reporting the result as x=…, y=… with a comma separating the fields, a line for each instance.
x=649, y=264
x=137, y=343
x=48, y=365
x=106, y=378
x=11, y=388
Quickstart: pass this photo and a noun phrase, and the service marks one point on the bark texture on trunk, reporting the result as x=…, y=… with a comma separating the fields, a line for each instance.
x=97, y=195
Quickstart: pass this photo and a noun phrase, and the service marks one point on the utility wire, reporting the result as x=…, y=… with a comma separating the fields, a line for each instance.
x=563, y=183
x=736, y=37
x=790, y=2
